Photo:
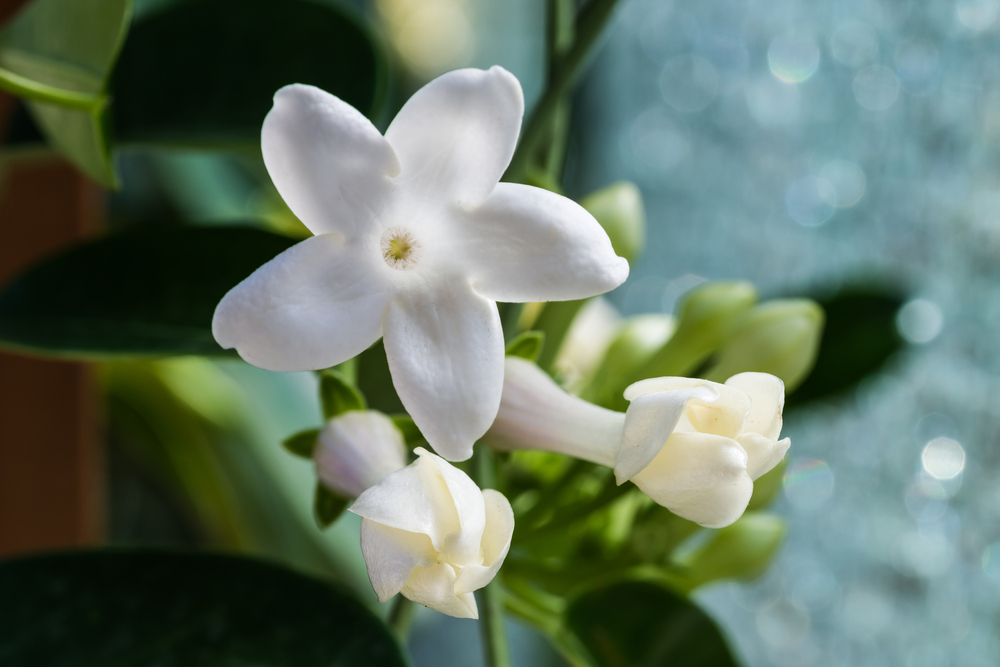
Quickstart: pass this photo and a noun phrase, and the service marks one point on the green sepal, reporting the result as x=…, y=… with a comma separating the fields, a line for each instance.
x=338, y=394
x=327, y=506
x=767, y=487
x=743, y=550
x=303, y=443
x=527, y=345
x=411, y=433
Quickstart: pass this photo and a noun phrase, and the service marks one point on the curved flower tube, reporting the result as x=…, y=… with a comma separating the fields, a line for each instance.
x=415, y=242
x=691, y=445
x=356, y=449
x=429, y=533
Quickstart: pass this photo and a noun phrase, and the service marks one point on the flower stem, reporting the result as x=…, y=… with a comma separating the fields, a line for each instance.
x=30, y=89
x=491, y=609
x=589, y=25
x=400, y=617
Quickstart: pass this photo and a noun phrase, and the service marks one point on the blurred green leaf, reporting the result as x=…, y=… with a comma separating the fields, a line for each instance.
x=638, y=339
x=767, y=486
x=633, y=623
x=302, y=443
x=148, y=292
x=327, y=505
x=375, y=380
x=527, y=345
x=554, y=322
x=203, y=73
x=743, y=550
x=176, y=609
x=58, y=54
x=338, y=394
x=859, y=337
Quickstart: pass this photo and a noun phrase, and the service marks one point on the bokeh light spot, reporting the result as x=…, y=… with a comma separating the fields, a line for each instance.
x=919, y=321
x=807, y=201
x=943, y=458
x=876, y=87
x=793, y=58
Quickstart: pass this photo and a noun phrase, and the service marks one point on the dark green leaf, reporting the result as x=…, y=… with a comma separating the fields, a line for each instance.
x=58, y=55
x=303, y=443
x=860, y=335
x=204, y=73
x=375, y=380
x=411, y=434
x=635, y=623
x=338, y=394
x=327, y=505
x=140, y=608
x=150, y=292
x=527, y=345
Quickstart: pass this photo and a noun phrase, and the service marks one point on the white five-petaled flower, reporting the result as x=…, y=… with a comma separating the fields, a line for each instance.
x=415, y=242
x=356, y=449
x=691, y=445
x=429, y=533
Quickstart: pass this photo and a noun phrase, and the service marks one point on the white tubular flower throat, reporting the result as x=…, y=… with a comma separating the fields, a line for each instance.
x=428, y=532
x=356, y=449
x=415, y=241
x=693, y=446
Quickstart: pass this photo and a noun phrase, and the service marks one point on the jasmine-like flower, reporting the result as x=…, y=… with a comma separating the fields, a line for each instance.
x=429, y=533
x=415, y=242
x=691, y=445
x=356, y=449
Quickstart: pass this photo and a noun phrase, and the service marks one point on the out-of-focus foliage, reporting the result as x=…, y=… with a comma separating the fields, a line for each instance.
x=142, y=292
x=172, y=608
x=58, y=54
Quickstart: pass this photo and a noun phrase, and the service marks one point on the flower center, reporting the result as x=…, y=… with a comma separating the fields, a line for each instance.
x=399, y=249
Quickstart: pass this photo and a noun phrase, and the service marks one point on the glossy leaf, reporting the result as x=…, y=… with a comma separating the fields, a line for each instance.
x=137, y=608
x=527, y=345
x=303, y=443
x=327, y=506
x=58, y=55
x=859, y=337
x=203, y=73
x=338, y=394
x=145, y=292
x=632, y=623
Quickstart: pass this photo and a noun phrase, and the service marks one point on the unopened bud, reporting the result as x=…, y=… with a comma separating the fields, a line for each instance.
x=618, y=207
x=638, y=338
x=356, y=450
x=779, y=337
x=743, y=551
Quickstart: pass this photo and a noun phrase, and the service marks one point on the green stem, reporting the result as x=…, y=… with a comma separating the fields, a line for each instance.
x=491, y=610
x=401, y=617
x=548, y=496
x=22, y=86
x=589, y=25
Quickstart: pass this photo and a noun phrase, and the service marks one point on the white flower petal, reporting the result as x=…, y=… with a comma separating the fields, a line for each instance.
x=356, y=450
x=328, y=162
x=699, y=477
x=434, y=587
x=495, y=543
x=462, y=546
x=528, y=244
x=767, y=394
x=724, y=416
x=536, y=413
x=313, y=306
x=391, y=555
x=762, y=453
x=457, y=134
x=416, y=499
x=445, y=352
x=649, y=422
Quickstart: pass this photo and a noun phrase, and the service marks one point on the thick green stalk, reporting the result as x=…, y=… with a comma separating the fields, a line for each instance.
x=400, y=617
x=589, y=25
x=491, y=607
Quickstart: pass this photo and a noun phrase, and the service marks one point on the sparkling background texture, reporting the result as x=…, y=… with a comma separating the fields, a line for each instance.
x=801, y=145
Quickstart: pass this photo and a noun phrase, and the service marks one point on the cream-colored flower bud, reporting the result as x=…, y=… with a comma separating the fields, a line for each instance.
x=428, y=532
x=356, y=450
